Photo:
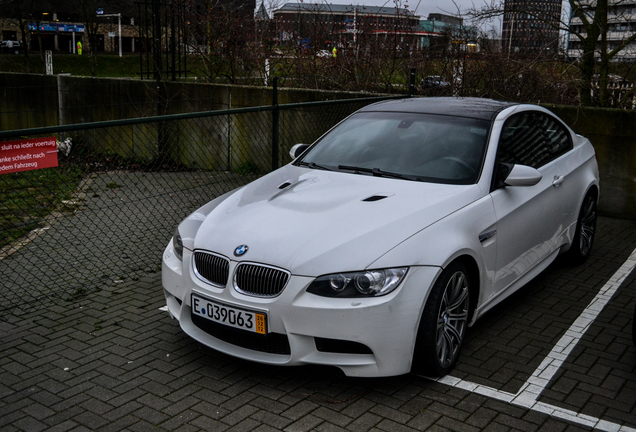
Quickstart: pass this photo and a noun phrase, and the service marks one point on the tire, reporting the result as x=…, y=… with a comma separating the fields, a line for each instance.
x=585, y=230
x=443, y=324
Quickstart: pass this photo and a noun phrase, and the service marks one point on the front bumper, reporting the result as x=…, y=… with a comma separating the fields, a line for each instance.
x=361, y=336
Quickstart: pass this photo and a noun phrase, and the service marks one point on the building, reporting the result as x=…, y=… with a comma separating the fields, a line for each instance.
x=442, y=29
x=342, y=25
x=446, y=19
x=621, y=25
x=531, y=27
x=51, y=33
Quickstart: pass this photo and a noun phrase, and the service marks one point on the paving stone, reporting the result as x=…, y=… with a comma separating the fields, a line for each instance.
x=299, y=410
x=515, y=423
x=481, y=417
x=64, y=426
x=90, y=420
x=306, y=423
x=364, y=423
x=386, y=412
x=115, y=344
x=150, y=415
x=38, y=411
x=269, y=405
x=119, y=425
x=239, y=414
x=180, y=419
x=424, y=420
x=329, y=427
x=276, y=421
x=121, y=411
x=332, y=416
x=391, y=426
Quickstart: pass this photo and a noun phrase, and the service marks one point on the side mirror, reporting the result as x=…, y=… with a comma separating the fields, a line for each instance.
x=297, y=150
x=519, y=175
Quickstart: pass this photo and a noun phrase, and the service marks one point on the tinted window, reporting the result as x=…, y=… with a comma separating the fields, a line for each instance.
x=427, y=147
x=532, y=139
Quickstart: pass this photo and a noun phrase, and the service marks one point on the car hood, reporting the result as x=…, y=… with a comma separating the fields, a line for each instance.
x=313, y=222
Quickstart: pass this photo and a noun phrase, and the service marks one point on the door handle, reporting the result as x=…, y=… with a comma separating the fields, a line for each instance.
x=558, y=179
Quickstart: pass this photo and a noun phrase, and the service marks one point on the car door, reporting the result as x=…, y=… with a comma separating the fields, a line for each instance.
x=529, y=218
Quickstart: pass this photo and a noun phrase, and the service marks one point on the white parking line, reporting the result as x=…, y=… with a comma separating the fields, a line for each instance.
x=529, y=392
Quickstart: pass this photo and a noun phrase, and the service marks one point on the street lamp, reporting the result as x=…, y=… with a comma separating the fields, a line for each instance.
x=118, y=15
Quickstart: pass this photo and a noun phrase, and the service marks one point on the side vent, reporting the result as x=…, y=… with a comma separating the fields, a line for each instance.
x=375, y=198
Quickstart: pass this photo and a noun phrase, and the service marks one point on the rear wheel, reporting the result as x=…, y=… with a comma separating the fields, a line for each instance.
x=443, y=325
x=585, y=230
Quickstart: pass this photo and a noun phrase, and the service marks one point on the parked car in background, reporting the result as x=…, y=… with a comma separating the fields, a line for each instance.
x=383, y=241
x=433, y=81
x=10, y=47
x=323, y=54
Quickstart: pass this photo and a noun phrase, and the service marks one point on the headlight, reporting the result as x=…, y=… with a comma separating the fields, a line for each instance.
x=177, y=244
x=368, y=283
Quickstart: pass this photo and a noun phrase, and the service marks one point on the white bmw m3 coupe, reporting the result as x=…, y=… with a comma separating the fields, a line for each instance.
x=377, y=247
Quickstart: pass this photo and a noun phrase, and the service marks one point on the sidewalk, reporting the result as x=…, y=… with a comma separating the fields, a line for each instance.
x=113, y=361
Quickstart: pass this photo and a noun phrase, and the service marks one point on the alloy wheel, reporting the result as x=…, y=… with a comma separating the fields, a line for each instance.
x=588, y=225
x=452, y=319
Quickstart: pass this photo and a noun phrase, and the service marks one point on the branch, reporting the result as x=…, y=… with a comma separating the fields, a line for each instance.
x=621, y=46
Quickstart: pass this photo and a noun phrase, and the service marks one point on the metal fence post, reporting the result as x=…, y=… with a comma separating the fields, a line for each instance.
x=275, y=123
x=412, y=83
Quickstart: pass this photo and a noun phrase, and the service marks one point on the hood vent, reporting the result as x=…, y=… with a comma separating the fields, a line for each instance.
x=374, y=198
x=284, y=185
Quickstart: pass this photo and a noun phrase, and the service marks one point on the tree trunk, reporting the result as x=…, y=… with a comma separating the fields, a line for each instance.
x=601, y=17
x=25, y=44
x=588, y=63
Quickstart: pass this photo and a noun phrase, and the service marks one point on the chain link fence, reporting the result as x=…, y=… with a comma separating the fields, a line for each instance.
x=106, y=212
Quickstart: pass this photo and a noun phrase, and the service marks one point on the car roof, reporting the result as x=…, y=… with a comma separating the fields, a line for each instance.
x=478, y=108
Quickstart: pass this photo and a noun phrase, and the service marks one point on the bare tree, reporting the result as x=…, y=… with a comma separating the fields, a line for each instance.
x=373, y=50
x=223, y=37
x=25, y=12
x=593, y=21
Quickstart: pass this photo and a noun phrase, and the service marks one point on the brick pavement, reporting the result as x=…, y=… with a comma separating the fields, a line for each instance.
x=113, y=361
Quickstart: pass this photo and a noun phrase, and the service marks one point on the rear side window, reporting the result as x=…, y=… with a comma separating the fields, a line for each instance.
x=532, y=139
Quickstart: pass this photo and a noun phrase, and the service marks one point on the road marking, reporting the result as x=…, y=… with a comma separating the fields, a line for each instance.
x=530, y=391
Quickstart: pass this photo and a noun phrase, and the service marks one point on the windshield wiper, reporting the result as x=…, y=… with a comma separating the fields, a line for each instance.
x=377, y=172
x=313, y=165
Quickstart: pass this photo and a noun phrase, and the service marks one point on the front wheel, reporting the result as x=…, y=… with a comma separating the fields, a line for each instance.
x=443, y=325
x=585, y=230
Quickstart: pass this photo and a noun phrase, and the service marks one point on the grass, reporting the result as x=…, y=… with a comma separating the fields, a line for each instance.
x=105, y=65
x=29, y=196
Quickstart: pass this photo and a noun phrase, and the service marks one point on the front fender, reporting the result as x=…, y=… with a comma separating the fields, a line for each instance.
x=470, y=231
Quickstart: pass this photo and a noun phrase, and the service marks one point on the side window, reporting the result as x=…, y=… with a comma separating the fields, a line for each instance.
x=532, y=139
x=558, y=138
x=521, y=141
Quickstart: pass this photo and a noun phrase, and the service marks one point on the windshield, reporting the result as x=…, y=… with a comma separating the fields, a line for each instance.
x=425, y=147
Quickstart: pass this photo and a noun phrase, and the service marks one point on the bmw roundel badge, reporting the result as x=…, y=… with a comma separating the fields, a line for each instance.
x=241, y=250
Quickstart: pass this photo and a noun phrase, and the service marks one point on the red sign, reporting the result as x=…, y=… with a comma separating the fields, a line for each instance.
x=28, y=154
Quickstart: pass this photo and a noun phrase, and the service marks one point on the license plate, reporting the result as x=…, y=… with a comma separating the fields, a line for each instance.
x=221, y=313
